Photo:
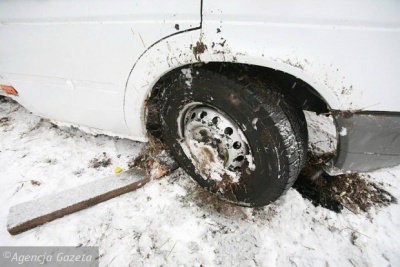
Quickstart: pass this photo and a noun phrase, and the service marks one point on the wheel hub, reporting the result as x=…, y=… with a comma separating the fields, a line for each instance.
x=214, y=142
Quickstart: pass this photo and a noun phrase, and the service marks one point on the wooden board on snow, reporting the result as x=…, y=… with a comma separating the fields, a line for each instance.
x=25, y=216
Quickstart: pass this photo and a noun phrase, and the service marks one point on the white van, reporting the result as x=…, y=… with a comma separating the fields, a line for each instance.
x=223, y=82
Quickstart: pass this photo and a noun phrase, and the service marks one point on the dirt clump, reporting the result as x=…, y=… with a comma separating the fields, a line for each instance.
x=351, y=191
x=198, y=49
x=101, y=161
x=155, y=158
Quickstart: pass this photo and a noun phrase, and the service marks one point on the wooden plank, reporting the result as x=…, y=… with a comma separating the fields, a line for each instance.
x=28, y=215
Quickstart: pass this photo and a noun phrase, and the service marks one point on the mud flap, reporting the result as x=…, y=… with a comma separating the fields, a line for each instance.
x=367, y=141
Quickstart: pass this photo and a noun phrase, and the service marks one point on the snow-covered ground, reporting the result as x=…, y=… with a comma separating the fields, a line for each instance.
x=172, y=221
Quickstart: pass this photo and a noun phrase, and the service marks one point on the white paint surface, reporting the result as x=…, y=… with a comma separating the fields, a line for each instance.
x=70, y=61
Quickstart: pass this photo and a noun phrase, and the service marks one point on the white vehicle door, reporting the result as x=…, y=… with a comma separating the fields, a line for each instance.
x=70, y=60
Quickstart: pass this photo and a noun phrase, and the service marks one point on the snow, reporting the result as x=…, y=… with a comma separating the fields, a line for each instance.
x=188, y=75
x=288, y=137
x=254, y=123
x=321, y=133
x=343, y=131
x=174, y=222
x=250, y=160
x=206, y=159
x=46, y=205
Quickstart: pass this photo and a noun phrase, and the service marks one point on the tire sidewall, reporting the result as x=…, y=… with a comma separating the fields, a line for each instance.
x=268, y=180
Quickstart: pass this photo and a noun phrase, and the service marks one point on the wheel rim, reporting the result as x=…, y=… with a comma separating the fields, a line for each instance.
x=216, y=145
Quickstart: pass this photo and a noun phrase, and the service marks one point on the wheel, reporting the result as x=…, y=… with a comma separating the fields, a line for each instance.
x=245, y=143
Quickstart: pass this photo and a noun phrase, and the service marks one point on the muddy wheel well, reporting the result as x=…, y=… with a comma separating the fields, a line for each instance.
x=305, y=95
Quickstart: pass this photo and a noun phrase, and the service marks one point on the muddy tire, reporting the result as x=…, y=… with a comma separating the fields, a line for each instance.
x=247, y=143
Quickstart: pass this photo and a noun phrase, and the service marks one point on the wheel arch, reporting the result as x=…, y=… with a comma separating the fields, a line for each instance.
x=181, y=51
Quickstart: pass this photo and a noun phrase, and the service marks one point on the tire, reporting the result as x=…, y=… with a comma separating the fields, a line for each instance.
x=247, y=143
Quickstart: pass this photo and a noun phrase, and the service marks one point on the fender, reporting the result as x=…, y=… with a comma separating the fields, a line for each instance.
x=180, y=50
